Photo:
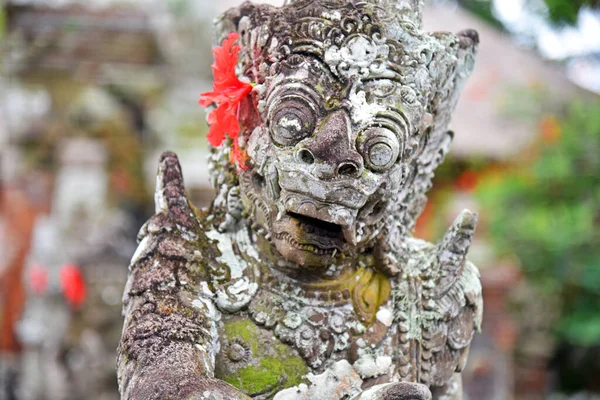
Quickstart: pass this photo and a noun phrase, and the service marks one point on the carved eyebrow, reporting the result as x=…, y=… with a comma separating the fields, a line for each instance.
x=391, y=113
x=290, y=89
x=397, y=117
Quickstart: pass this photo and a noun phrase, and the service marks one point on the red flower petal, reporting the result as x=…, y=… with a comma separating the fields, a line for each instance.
x=228, y=94
x=73, y=285
x=227, y=88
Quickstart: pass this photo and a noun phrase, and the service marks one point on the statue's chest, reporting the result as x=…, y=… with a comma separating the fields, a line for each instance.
x=278, y=341
x=318, y=331
x=323, y=320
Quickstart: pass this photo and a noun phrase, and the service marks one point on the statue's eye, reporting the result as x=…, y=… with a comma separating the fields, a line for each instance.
x=379, y=147
x=291, y=122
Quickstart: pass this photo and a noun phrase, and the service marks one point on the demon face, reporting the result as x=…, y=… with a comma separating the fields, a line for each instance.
x=329, y=160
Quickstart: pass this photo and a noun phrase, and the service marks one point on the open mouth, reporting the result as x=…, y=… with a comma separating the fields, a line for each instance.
x=314, y=235
x=314, y=226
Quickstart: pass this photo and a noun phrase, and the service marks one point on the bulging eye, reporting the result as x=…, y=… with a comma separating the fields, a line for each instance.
x=292, y=121
x=379, y=147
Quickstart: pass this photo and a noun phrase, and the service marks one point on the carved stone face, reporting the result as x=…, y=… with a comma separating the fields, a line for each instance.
x=355, y=102
x=334, y=155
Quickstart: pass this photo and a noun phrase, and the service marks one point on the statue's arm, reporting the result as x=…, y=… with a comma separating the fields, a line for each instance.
x=169, y=337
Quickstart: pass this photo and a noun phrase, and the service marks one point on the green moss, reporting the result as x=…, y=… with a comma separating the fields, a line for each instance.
x=245, y=330
x=269, y=374
x=281, y=369
x=252, y=380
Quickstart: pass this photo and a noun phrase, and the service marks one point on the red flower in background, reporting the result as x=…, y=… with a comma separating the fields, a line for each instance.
x=228, y=94
x=38, y=278
x=467, y=181
x=73, y=285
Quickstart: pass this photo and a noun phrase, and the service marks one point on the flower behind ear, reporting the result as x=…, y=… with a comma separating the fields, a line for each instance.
x=228, y=93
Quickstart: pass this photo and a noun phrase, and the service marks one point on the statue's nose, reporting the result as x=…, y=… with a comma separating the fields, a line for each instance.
x=332, y=149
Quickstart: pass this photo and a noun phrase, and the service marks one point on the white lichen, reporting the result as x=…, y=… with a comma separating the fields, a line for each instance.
x=160, y=201
x=339, y=381
x=363, y=112
x=370, y=365
x=141, y=249
x=385, y=316
x=238, y=292
x=288, y=123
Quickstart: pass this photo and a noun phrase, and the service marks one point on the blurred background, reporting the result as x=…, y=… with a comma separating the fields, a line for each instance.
x=91, y=91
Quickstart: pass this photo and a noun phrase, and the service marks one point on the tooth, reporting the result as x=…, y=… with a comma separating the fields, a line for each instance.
x=280, y=212
x=350, y=234
x=307, y=208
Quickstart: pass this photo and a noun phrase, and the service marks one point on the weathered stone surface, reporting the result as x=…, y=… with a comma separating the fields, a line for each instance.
x=303, y=281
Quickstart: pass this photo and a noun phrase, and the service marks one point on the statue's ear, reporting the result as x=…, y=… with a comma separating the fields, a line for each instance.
x=469, y=41
x=253, y=22
x=467, y=49
x=254, y=15
x=435, y=151
x=229, y=21
x=448, y=71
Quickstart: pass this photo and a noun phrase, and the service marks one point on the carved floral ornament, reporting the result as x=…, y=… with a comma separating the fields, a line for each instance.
x=303, y=281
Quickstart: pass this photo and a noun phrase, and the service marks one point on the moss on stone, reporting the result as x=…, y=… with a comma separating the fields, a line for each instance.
x=243, y=329
x=271, y=373
x=276, y=367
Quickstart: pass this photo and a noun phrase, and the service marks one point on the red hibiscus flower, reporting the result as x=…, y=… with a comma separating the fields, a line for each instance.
x=73, y=285
x=228, y=94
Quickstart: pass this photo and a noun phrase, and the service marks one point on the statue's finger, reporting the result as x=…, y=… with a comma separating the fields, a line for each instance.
x=170, y=195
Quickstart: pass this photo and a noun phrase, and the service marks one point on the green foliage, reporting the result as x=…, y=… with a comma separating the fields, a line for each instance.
x=565, y=11
x=547, y=212
x=2, y=22
x=483, y=9
x=559, y=11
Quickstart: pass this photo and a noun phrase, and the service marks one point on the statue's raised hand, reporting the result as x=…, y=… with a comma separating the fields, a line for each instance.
x=169, y=338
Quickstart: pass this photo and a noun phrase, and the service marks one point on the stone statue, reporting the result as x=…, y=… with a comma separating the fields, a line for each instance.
x=302, y=280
